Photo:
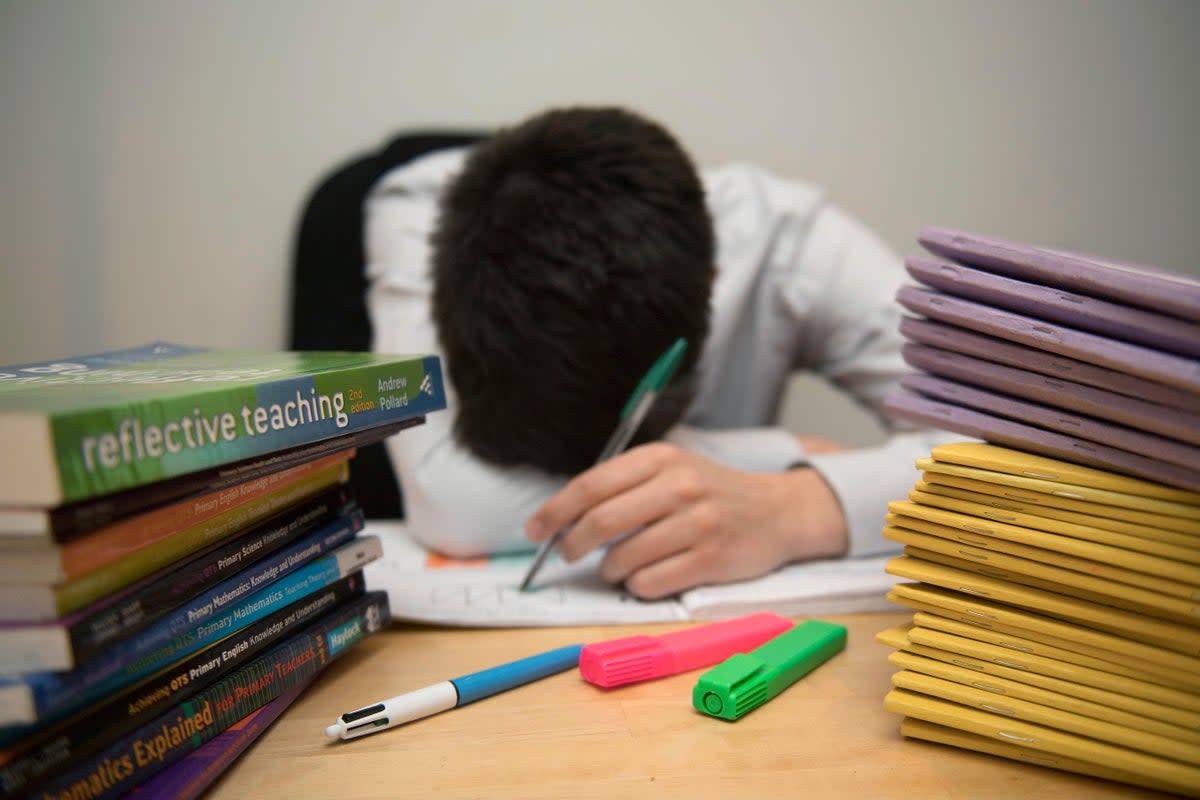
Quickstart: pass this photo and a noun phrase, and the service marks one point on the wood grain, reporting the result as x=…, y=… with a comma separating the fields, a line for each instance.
x=828, y=736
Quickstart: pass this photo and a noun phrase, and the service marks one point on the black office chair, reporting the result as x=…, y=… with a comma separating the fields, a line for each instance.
x=329, y=284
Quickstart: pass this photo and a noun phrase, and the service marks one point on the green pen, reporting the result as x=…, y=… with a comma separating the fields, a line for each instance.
x=632, y=415
x=745, y=681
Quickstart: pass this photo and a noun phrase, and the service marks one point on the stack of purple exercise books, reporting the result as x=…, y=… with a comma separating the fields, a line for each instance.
x=1056, y=353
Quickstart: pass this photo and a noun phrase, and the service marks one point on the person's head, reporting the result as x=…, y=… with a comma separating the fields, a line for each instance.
x=569, y=253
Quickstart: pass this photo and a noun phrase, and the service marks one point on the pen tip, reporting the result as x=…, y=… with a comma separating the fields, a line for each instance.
x=332, y=731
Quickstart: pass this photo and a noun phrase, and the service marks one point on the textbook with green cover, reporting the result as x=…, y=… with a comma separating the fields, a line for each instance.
x=84, y=427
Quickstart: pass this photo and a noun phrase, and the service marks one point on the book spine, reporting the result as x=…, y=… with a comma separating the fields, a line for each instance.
x=204, y=607
x=103, y=546
x=69, y=521
x=45, y=696
x=127, y=444
x=159, y=744
x=75, y=594
x=24, y=561
x=196, y=771
x=43, y=648
x=170, y=587
x=39, y=604
x=33, y=754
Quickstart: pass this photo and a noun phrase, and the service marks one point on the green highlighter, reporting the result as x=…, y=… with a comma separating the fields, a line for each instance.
x=744, y=681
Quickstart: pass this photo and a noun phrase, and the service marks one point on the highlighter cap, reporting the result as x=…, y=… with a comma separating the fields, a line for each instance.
x=640, y=658
x=745, y=681
x=621, y=661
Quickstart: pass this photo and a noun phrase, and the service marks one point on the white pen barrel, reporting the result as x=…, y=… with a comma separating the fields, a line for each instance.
x=421, y=703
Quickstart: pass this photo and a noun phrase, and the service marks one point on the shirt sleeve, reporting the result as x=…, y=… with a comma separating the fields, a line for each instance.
x=841, y=291
x=866, y=479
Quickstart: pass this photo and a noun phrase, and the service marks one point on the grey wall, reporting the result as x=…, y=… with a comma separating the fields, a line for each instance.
x=154, y=155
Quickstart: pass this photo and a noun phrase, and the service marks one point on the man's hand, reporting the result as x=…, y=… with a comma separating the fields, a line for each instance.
x=695, y=521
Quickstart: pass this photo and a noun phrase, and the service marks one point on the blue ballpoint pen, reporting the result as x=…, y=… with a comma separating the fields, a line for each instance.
x=452, y=693
x=632, y=415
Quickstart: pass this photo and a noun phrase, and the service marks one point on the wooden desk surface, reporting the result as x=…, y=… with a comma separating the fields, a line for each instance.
x=828, y=736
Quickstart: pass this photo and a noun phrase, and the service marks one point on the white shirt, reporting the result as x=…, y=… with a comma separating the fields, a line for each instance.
x=800, y=286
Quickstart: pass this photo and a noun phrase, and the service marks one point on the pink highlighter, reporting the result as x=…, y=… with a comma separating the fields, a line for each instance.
x=642, y=658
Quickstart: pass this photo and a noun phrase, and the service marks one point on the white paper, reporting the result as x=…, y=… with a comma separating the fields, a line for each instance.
x=483, y=592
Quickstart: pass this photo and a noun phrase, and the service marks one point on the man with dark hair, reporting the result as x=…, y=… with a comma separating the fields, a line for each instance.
x=570, y=252
x=550, y=265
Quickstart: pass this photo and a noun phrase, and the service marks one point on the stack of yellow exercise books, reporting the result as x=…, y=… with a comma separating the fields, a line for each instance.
x=1056, y=615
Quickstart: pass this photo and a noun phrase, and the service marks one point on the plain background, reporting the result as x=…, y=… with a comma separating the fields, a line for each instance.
x=154, y=156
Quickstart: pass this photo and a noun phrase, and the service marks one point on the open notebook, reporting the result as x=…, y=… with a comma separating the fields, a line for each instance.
x=425, y=587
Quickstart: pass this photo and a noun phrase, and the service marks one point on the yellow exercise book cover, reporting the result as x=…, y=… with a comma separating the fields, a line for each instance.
x=1067, y=491
x=1153, y=770
x=1018, y=462
x=1172, y=635
x=1136, y=541
x=996, y=500
x=996, y=689
x=1057, y=718
x=1184, y=680
x=981, y=612
x=930, y=535
x=1106, y=546
x=913, y=728
x=1047, y=578
x=1076, y=673
x=994, y=666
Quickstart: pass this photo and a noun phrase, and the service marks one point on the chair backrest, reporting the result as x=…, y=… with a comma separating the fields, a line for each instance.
x=329, y=284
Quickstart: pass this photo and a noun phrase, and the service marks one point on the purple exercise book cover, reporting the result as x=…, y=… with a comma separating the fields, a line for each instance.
x=1020, y=436
x=1055, y=419
x=969, y=343
x=1115, y=320
x=1145, y=362
x=1148, y=287
x=1172, y=423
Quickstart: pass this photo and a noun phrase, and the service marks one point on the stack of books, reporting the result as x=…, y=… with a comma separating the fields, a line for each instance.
x=1056, y=353
x=180, y=553
x=1056, y=563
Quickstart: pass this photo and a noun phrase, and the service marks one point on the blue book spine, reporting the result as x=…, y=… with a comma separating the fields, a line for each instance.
x=207, y=604
x=44, y=696
x=156, y=746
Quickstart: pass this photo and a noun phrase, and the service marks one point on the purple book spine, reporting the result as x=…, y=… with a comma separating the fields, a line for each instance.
x=188, y=778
